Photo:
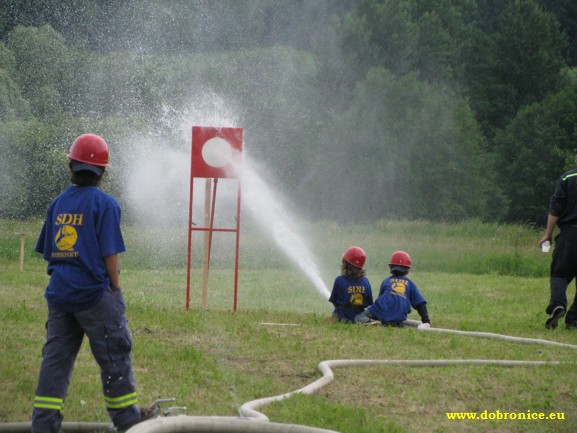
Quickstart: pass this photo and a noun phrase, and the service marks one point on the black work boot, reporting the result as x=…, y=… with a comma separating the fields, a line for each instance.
x=556, y=315
x=145, y=414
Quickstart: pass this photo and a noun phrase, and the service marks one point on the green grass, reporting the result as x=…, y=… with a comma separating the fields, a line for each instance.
x=476, y=277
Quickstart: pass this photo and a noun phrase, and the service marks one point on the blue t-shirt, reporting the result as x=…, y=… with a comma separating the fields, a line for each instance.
x=82, y=226
x=396, y=296
x=350, y=297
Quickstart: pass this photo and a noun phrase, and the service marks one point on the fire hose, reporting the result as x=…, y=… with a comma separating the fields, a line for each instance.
x=253, y=421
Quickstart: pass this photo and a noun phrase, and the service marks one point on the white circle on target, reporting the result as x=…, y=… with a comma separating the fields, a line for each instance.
x=217, y=152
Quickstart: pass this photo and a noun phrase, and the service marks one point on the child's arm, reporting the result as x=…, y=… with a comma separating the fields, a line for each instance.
x=111, y=263
x=422, y=310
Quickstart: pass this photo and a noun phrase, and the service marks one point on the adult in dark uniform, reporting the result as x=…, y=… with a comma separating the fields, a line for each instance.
x=562, y=213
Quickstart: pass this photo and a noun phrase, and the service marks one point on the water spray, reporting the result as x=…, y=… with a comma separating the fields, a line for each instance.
x=272, y=216
x=157, y=171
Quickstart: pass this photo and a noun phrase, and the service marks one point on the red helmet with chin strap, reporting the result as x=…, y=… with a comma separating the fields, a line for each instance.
x=90, y=149
x=400, y=258
x=355, y=256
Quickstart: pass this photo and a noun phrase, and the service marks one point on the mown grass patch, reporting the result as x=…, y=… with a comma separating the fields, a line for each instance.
x=215, y=360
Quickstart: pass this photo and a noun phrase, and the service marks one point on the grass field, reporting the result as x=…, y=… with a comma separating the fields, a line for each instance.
x=476, y=277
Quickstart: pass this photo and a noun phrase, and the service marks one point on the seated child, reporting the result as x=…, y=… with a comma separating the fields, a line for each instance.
x=396, y=296
x=351, y=292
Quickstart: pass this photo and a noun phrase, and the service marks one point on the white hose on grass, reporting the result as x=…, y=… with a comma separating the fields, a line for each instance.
x=253, y=421
x=219, y=424
x=179, y=424
x=250, y=409
x=423, y=327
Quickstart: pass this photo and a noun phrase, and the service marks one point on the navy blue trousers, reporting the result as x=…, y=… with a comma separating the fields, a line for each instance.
x=110, y=341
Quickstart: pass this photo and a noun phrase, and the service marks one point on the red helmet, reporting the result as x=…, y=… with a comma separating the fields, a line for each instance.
x=400, y=258
x=355, y=256
x=90, y=149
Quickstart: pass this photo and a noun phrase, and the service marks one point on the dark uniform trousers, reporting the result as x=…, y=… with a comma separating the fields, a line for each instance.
x=563, y=270
x=111, y=345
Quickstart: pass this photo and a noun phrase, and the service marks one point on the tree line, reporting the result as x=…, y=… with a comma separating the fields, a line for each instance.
x=362, y=109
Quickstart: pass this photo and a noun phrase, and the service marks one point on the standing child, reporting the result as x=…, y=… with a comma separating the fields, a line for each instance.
x=81, y=240
x=351, y=290
x=396, y=296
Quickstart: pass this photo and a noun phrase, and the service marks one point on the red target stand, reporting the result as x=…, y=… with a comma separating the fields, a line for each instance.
x=216, y=154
